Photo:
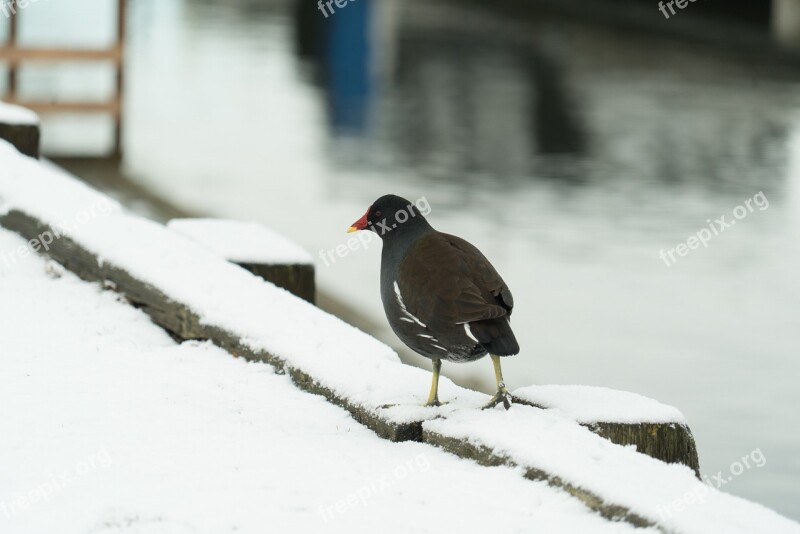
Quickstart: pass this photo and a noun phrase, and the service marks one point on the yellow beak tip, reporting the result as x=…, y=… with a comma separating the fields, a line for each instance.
x=352, y=229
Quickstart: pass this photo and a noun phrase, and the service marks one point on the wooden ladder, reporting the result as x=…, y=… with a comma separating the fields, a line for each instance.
x=14, y=55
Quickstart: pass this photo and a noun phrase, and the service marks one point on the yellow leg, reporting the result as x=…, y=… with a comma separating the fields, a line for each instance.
x=498, y=373
x=433, y=397
x=502, y=394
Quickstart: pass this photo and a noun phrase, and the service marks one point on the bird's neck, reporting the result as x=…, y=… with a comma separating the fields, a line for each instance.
x=397, y=243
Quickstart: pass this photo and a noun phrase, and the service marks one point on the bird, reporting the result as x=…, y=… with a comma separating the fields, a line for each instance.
x=441, y=296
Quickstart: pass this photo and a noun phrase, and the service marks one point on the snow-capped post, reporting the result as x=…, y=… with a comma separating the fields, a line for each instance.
x=20, y=127
x=655, y=429
x=258, y=249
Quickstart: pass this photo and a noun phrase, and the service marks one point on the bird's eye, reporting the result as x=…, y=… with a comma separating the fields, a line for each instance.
x=378, y=213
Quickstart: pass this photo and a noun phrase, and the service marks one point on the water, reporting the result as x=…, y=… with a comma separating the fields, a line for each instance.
x=570, y=155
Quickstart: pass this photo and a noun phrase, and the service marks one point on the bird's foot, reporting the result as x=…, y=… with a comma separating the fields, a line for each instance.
x=503, y=396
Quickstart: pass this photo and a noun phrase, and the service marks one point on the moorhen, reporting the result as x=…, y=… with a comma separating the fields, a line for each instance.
x=442, y=297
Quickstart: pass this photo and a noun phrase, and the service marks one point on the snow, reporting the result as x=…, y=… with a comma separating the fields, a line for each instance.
x=667, y=494
x=111, y=427
x=203, y=442
x=590, y=404
x=11, y=114
x=242, y=242
x=343, y=359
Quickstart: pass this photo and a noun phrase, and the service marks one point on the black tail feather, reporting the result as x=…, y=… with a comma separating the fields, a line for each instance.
x=496, y=336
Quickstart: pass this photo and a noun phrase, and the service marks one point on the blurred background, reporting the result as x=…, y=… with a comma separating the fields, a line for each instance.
x=570, y=141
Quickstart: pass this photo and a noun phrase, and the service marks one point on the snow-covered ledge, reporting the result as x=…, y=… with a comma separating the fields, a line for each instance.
x=20, y=127
x=655, y=429
x=195, y=293
x=254, y=247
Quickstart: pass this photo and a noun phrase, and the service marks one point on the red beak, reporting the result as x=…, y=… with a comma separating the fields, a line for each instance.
x=360, y=224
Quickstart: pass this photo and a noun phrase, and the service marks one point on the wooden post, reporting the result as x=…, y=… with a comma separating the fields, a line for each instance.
x=20, y=127
x=669, y=442
x=14, y=55
x=655, y=429
x=296, y=278
x=12, y=42
x=120, y=75
x=256, y=248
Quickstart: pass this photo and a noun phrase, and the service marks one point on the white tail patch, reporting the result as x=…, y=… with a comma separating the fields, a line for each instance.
x=468, y=330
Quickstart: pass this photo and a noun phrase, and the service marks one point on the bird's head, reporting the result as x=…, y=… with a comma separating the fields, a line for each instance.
x=391, y=214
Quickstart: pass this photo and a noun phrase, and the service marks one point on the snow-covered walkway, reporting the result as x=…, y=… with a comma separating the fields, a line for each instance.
x=110, y=426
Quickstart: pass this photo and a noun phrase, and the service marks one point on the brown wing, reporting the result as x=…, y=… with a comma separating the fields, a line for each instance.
x=454, y=283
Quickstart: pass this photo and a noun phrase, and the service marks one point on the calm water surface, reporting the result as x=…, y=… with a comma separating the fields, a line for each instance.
x=570, y=155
